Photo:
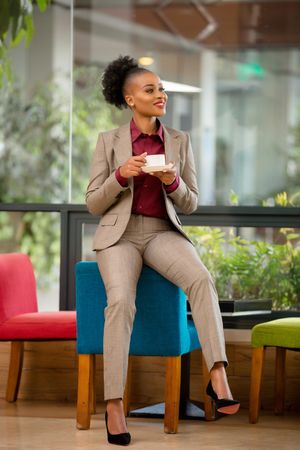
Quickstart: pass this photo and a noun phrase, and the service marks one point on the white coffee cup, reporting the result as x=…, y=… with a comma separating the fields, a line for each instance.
x=155, y=160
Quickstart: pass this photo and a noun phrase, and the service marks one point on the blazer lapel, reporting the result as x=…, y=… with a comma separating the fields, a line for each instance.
x=122, y=144
x=172, y=145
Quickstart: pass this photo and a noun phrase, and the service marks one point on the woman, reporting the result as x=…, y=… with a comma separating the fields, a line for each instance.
x=139, y=224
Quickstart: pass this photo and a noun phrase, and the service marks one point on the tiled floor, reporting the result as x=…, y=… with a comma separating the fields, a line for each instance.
x=51, y=426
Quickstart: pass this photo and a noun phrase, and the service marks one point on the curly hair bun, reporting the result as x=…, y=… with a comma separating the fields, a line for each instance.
x=114, y=78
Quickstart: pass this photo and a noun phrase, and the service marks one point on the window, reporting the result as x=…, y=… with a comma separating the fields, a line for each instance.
x=232, y=73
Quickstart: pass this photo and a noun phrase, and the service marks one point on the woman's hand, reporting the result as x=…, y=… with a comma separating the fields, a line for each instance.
x=132, y=167
x=166, y=176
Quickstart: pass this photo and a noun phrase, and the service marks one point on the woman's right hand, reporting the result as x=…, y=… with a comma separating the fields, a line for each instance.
x=132, y=166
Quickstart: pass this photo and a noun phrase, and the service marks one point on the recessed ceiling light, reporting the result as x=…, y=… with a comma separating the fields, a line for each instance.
x=146, y=60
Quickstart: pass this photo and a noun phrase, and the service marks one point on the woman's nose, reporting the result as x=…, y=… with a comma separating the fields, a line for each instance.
x=161, y=94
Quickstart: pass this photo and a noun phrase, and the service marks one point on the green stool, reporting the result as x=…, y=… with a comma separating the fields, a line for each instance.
x=283, y=334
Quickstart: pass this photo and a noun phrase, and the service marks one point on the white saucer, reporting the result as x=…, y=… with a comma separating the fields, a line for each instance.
x=149, y=169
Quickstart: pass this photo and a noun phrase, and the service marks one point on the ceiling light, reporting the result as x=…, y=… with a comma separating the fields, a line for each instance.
x=146, y=60
x=171, y=86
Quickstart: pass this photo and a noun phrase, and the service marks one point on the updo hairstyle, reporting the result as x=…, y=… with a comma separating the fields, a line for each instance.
x=114, y=77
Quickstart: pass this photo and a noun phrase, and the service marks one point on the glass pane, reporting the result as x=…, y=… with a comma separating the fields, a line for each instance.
x=88, y=231
x=257, y=123
x=36, y=234
x=235, y=73
x=34, y=113
x=252, y=263
x=246, y=263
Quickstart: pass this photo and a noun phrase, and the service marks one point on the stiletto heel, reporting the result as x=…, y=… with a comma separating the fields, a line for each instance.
x=117, y=439
x=213, y=408
x=223, y=405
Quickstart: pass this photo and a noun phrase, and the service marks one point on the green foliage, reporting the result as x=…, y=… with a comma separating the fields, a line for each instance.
x=38, y=235
x=34, y=146
x=16, y=24
x=233, y=198
x=6, y=230
x=293, y=163
x=245, y=269
x=91, y=114
x=42, y=4
x=281, y=199
x=40, y=240
x=34, y=139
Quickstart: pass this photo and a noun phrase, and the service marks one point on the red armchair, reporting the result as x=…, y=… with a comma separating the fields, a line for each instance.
x=19, y=317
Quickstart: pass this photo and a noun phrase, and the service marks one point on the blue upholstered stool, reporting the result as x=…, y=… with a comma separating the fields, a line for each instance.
x=161, y=328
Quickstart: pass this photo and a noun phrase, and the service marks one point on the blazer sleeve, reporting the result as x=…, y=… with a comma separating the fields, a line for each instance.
x=185, y=197
x=103, y=189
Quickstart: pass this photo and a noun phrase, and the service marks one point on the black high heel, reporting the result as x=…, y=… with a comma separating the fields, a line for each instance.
x=222, y=404
x=118, y=439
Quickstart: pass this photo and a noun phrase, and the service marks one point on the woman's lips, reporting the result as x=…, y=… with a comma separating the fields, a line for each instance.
x=160, y=104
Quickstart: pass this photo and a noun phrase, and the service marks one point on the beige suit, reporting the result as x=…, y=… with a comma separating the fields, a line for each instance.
x=106, y=197
x=125, y=241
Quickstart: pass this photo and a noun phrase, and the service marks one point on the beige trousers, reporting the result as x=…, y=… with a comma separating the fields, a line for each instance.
x=154, y=242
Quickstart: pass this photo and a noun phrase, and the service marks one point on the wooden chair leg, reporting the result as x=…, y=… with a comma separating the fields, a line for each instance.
x=85, y=366
x=93, y=385
x=208, y=408
x=15, y=370
x=127, y=392
x=280, y=380
x=255, y=383
x=172, y=394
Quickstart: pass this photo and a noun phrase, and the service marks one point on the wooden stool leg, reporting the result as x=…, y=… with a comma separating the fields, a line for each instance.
x=255, y=383
x=280, y=380
x=172, y=394
x=208, y=407
x=85, y=363
x=93, y=385
x=127, y=392
x=15, y=370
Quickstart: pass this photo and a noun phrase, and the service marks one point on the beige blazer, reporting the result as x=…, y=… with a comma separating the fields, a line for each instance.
x=105, y=197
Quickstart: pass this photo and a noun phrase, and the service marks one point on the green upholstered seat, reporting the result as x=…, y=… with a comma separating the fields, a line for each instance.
x=283, y=334
x=277, y=333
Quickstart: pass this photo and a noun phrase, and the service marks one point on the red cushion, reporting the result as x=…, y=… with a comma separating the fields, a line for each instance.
x=17, y=286
x=40, y=325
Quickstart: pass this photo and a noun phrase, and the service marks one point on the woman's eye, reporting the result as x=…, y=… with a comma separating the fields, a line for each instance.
x=149, y=91
x=162, y=89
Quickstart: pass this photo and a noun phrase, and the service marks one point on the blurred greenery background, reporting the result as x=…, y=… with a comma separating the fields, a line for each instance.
x=34, y=141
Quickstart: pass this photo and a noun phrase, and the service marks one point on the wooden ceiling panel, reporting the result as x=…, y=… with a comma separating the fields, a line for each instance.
x=238, y=24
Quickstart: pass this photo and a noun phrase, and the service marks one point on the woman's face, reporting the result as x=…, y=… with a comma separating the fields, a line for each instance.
x=145, y=95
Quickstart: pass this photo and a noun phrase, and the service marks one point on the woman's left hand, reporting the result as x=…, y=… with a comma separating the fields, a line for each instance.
x=166, y=176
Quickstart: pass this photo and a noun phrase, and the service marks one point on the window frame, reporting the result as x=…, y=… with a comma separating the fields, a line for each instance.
x=73, y=216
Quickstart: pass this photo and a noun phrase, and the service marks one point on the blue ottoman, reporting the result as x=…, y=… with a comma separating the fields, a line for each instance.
x=161, y=328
